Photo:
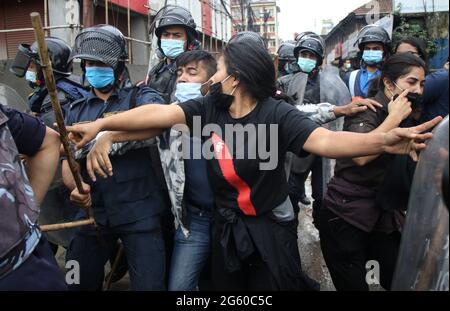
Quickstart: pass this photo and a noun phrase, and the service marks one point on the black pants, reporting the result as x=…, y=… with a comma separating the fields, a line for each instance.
x=347, y=250
x=297, y=186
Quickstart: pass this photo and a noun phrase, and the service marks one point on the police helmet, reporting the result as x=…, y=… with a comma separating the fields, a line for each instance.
x=58, y=51
x=312, y=42
x=102, y=43
x=373, y=34
x=286, y=51
x=172, y=15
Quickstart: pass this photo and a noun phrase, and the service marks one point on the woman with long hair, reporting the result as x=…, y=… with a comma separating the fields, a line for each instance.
x=254, y=231
x=356, y=225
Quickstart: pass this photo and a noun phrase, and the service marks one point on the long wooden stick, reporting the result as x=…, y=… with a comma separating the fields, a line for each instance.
x=51, y=87
x=114, y=267
x=68, y=225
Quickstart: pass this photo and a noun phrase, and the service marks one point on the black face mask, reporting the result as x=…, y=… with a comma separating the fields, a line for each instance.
x=416, y=100
x=221, y=100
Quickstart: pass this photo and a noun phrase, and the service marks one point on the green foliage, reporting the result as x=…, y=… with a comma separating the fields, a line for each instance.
x=406, y=29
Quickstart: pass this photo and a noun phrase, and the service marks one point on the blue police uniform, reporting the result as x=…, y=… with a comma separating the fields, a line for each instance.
x=127, y=205
x=362, y=81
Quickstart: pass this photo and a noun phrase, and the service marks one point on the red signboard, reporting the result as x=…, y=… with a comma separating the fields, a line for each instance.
x=137, y=6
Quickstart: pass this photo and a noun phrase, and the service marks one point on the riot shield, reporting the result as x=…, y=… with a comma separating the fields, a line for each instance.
x=423, y=258
x=334, y=91
x=297, y=86
x=10, y=98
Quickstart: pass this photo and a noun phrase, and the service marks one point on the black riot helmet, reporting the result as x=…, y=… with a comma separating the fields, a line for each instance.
x=173, y=15
x=58, y=51
x=102, y=43
x=310, y=41
x=286, y=52
x=373, y=34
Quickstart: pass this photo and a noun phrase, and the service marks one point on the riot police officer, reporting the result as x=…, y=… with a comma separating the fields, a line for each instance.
x=309, y=52
x=176, y=32
x=374, y=45
x=26, y=261
x=27, y=64
x=287, y=62
x=126, y=206
x=307, y=95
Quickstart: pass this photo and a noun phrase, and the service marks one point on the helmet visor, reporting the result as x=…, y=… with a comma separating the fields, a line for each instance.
x=22, y=61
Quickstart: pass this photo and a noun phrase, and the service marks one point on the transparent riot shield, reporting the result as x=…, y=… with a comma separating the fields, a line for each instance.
x=9, y=97
x=423, y=258
x=334, y=91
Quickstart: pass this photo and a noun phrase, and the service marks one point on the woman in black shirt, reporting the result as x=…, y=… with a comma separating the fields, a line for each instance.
x=254, y=232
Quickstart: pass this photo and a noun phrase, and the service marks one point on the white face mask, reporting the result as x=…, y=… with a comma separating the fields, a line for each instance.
x=31, y=76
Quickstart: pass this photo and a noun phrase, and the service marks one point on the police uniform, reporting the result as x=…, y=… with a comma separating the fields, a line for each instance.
x=126, y=206
x=26, y=260
x=68, y=91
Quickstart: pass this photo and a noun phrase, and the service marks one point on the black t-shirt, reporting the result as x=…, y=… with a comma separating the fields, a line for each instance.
x=27, y=131
x=241, y=177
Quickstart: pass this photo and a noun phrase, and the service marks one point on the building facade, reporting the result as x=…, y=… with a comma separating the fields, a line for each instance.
x=132, y=17
x=260, y=16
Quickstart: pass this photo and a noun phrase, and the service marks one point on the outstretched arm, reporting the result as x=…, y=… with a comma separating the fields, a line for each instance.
x=142, y=118
x=337, y=145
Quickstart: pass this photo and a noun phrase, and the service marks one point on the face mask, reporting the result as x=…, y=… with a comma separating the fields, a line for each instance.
x=372, y=57
x=288, y=68
x=222, y=101
x=188, y=91
x=414, y=98
x=348, y=66
x=172, y=48
x=100, y=77
x=31, y=77
x=307, y=65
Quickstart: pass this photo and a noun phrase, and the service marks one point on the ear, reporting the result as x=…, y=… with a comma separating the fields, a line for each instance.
x=389, y=85
x=236, y=81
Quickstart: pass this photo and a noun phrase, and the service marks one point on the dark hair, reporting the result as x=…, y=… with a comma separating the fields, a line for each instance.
x=197, y=56
x=418, y=43
x=253, y=66
x=395, y=67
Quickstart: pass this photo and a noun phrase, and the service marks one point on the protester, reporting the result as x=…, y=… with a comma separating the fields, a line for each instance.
x=254, y=232
x=353, y=229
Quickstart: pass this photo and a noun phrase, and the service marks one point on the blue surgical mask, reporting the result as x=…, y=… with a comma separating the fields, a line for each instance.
x=172, y=48
x=188, y=91
x=307, y=65
x=100, y=77
x=31, y=76
x=372, y=57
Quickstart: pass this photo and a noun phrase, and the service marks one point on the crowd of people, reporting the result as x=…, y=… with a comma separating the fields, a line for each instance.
x=184, y=193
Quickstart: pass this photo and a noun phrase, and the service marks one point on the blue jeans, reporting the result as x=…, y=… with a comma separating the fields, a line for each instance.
x=143, y=248
x=190, y=253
